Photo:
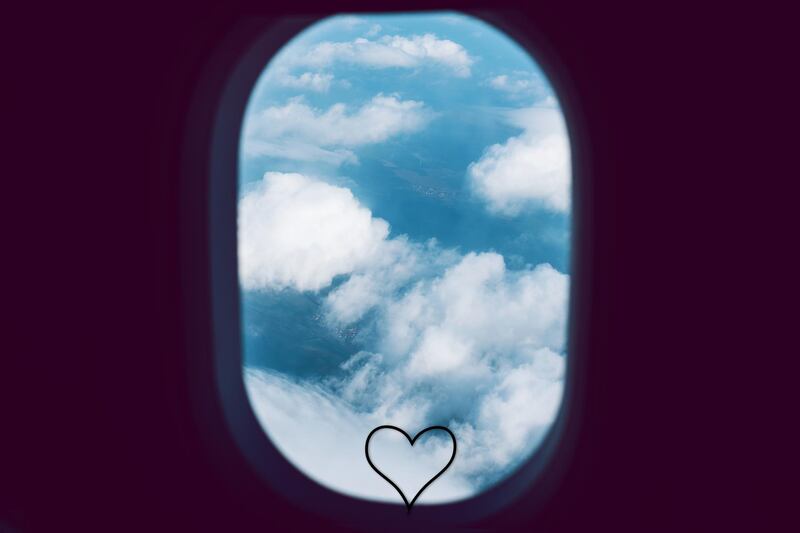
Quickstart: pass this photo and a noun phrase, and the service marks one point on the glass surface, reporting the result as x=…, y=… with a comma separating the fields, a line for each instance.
x=404, y=243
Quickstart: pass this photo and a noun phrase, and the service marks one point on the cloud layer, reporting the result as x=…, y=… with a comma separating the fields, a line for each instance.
x=393, y=51
x=299, y=131
x=529, y=170
x=325, y=435
x=448, y=338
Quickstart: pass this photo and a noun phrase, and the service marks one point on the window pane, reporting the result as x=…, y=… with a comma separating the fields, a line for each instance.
x=404, y=235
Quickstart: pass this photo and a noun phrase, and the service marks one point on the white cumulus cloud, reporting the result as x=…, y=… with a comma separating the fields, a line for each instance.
x=298, y=131
x=300, y=233
x=531, y=169
x=476, y=310
x=393, y=51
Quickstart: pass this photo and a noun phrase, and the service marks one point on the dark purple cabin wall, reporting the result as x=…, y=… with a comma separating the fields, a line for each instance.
x=688, y=405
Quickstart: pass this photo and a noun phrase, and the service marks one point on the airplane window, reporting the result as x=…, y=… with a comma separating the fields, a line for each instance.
x=404, y=219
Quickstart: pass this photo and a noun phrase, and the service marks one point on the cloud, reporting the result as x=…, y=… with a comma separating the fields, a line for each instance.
x=314, y=81
x=509, y=422
x=475, y=310
x=516, y=413
x=448, y=338
x=475, y=327
x=521, y=84
x=325, y=435
x=503, y=83
x=393, y=51
x=296, y=232
x=399, y=263
x=529, y=170
x=300, y=232
x=299, y=131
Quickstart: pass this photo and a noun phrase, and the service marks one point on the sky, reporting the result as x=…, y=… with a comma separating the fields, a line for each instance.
x=403, y=242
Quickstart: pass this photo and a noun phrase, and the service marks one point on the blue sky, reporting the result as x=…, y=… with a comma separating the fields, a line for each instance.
x=404, y=220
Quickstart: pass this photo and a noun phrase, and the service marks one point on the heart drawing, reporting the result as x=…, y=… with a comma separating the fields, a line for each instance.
x=411, y=441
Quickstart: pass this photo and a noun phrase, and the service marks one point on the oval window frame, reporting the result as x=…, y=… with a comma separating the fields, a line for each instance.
x=210, y=284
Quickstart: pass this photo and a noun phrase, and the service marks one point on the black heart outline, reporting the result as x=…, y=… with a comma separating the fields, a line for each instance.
x=411, y=441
